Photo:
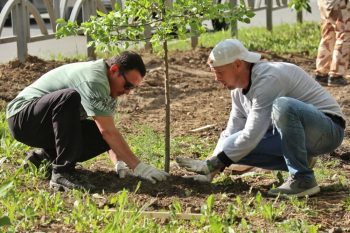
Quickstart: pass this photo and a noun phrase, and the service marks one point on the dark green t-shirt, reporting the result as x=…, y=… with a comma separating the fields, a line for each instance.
x=89, y=79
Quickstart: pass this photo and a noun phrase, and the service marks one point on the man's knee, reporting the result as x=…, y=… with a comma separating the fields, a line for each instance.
x=69, y=98
x=71, y=95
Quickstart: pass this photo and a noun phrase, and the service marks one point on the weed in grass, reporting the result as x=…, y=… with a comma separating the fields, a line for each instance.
x=231, y=215
x=4, y=189
x=85, y=215
x=207, y=208
x=8, y=145
x=244, y=226
x=148, y=145
x=175, y=207
x=4, y=221
x=269, y=211
x=123, y=221
x=297, y=226
x=346, y=203
x=223, y=179
x=299, y=204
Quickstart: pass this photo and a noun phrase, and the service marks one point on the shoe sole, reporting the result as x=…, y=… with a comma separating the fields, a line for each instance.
x=322, y=83
x=58, y=187
x=308, y=192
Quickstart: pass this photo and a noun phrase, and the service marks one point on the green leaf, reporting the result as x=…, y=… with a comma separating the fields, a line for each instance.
x=4, y=188
x=250, y=14
x=210, y=202
x=308, y=8
x=60, y=20
x=5, y=221
x=246, y=20
x=100, y=13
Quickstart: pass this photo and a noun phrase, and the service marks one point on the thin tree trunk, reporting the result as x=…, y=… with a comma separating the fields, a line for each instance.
x=167, y=109
x=166, y=3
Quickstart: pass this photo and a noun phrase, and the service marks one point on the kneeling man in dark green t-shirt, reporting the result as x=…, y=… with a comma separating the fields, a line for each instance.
x=51, y=114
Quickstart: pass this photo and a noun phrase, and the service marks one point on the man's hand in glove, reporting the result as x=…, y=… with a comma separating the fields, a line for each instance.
x=194, y=165
x=122, y=169
x=150, y=173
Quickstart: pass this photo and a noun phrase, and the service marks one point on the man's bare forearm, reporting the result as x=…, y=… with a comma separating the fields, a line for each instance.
x=121, y=150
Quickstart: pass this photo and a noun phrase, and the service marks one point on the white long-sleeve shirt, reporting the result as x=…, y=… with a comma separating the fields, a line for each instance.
x=250, y=116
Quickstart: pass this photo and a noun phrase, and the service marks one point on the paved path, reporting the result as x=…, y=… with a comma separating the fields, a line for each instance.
x=73, y=46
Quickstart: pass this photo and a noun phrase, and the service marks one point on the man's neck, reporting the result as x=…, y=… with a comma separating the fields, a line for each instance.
x=249, y=70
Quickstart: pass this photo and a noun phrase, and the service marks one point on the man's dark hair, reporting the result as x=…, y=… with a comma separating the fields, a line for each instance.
x=126, y=61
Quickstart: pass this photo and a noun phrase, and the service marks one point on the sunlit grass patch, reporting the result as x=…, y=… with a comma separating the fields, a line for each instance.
x=149, y=146
x=286, y=38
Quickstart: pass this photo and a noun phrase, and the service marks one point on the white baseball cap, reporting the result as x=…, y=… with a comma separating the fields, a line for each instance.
x=230, y=50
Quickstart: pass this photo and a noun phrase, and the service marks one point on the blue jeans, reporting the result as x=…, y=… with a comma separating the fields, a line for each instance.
x=303, y=131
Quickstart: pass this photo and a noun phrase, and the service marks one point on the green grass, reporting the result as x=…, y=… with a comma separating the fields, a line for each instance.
x=286, y=38
x=25, y=206
x=149, y=146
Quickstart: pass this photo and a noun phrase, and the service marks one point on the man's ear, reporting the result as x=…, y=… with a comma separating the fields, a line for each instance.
x=114, y=68
x=237, y=63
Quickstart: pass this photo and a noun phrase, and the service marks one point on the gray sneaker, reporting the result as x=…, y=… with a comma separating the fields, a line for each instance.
x=65, y=181
x=298, y=186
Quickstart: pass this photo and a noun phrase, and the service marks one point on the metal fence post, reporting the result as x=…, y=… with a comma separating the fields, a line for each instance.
x=148, y=34
x=194, y=41
x=234, y=26
x=51, y=7
x=56, y=8
x=269, y=15
x=300, y=16
x=20, y=29
x=89, y=8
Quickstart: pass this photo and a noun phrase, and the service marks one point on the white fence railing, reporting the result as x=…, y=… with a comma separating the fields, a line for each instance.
x=22, y=10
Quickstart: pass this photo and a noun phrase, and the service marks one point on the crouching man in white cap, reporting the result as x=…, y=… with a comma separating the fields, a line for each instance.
x=267, y=96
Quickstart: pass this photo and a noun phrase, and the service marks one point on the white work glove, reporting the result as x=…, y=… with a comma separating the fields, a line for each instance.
x=193, y=165
x=122, y=169
x=150, y=173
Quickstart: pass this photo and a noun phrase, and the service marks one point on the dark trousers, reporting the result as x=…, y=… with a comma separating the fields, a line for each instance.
x=53, y=123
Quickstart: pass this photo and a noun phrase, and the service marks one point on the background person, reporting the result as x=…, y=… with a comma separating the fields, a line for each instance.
x=52, y=114
x=280, y=119
x=334, y=49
